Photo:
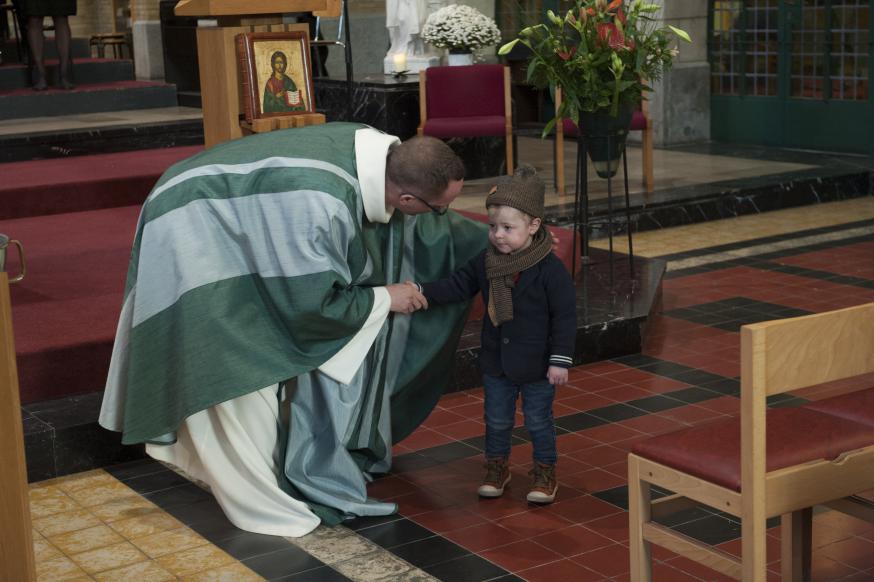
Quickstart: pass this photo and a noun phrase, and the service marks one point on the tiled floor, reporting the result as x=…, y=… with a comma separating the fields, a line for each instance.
x=141, y=521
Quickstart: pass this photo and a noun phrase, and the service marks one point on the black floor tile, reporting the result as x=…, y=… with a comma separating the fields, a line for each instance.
x=636, y=360
x=217, y=529
x=156, y=481
x=711, y=530
x=724, y=386
x=616, y=412
x=666, y=368
x=203, y=510
x=360, y=523
x=618, y=496
x=693, y=395
x=181, y=495
x=697, y=377
x=429, y=552
x=409, y=462
x=396, y=533
x=449, y=452
x=655, y=403
x=323, y=574
x=279, y=564
x=249, y=545
x=466, y=569
x=131, y=469
x=578, y=421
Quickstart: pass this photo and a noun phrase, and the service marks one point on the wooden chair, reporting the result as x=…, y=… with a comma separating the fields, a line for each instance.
x=467, y=101
x=640, y=121
x=777, y=462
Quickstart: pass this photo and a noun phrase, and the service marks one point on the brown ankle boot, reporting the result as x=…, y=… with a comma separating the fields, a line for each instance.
x=497, y=477
x=545, y=486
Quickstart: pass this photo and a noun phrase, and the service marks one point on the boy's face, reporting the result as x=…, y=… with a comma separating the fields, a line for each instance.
x=510, y=230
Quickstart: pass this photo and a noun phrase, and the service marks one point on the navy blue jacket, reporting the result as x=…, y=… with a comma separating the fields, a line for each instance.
x=544, y=325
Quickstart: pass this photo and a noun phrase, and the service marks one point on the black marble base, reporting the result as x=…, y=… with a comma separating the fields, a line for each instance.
x=483, y=157
x=93, y=141
x=832, y=177
x=614, y=302
x=381, y=101
x=62, y=437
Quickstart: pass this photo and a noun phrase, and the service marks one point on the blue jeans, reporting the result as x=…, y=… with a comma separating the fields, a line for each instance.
x=500, y=411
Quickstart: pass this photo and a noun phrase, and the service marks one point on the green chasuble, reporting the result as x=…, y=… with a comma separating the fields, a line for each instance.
x=253, y=263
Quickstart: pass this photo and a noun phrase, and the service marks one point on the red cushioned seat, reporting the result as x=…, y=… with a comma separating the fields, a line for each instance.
x=477, y=126
x=856, y=406
x=794, y=436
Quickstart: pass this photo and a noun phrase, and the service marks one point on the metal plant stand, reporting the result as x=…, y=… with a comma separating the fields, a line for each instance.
x=581, y=205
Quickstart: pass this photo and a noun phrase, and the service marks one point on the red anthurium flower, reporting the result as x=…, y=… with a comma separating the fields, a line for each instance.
x=590, y=11
x=566, y=55
x=613, y=5
x=609, y=33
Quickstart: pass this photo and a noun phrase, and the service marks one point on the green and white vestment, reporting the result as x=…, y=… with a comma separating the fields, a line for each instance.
x=263, y=260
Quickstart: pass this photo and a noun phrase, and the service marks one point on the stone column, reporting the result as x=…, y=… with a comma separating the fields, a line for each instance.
x=148, y=49
x=680, y=104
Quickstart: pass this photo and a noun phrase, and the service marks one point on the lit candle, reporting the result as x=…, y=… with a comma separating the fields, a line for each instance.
x=400, y=61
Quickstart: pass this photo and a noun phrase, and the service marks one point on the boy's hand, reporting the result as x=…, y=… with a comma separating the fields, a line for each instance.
x=557, y=375
x=406, y=298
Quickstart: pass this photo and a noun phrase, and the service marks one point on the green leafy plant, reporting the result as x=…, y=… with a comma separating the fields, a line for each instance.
x=601, y=54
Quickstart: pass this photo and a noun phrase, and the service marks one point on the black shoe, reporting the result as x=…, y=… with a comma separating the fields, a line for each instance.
x=66, y=84
x=39, y=81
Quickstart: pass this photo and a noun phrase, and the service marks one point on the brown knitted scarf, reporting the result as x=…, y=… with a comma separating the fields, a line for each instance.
x=500, y=271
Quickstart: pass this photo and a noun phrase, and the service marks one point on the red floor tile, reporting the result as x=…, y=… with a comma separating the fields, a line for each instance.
x=448, y=519
x=573, y=540
x=521, y=556
x=610, y=560
x=614, y=527
x=582, y=509
x=561, y=570
x=483, y=537
x=591, y=481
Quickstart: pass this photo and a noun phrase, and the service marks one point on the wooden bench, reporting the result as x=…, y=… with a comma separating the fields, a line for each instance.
x=767, y=463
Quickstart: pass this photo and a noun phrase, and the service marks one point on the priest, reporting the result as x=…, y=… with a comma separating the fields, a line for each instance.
x=267, y=344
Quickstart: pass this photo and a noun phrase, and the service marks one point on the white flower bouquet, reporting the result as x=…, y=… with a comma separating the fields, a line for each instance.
x=461, y=29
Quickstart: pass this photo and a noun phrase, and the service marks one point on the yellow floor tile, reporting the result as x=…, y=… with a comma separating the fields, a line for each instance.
x=141, y=572
x=68, y=521
x=233, y=573
x=57, y=569
x=144, y=525
x=49, y=501
x=169, y=541
x=124, y=508
x=76, y=542
x=194, y=560
x=108, y=558
x=43, y=550
x=82, y=480
x=101, y=493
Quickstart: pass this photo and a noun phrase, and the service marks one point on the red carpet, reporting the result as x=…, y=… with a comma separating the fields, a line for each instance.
x=66, y=309
x=74, y=184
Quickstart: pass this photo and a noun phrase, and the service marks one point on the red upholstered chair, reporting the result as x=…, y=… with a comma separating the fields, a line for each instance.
x=640, y=121
x=769, y=462
x=467, y=101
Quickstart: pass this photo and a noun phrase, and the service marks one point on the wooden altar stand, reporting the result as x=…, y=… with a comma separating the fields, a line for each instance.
x=220, y=78
x=16, y=539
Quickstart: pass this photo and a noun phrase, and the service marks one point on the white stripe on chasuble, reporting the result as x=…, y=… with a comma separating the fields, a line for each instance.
x=283, y=234
x=274, y=162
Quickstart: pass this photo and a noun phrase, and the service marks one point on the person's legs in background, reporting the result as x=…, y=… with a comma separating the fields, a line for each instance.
x=62, y=41
x=36, y=42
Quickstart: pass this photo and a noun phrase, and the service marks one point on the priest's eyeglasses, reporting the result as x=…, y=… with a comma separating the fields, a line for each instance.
x=438, y=210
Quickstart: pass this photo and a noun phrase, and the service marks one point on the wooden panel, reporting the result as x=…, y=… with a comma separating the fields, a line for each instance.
x=810, y=350
x=16, y=541
x=220, y=86
x=232, y=7
x=332, y=9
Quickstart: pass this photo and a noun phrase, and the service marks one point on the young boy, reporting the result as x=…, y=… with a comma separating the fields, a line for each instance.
x=528, y=332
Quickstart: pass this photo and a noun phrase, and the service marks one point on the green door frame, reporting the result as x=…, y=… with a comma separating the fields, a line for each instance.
x=781, y=120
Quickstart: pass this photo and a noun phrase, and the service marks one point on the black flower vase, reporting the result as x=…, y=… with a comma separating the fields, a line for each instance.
x=605, y=137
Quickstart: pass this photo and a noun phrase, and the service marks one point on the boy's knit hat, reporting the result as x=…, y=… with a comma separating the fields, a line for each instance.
x=524, y=191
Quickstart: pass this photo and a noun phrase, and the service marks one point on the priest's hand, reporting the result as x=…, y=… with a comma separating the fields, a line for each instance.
x=406, y=298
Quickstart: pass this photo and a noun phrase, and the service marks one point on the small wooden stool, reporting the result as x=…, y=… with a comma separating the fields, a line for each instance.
x=117, y=40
